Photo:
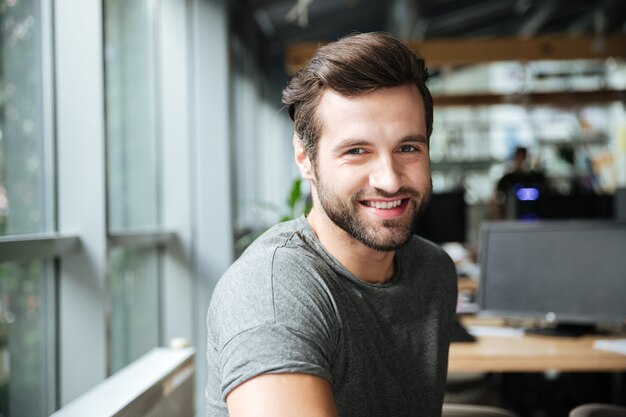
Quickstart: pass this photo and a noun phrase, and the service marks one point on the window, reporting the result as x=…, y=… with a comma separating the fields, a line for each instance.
x=131, y=116
x=133, y=180
x=25, y=305
x=25, y=200
x=134, y=303
x=26, y=207
x=89, y=280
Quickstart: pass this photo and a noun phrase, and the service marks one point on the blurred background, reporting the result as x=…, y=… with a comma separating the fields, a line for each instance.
x=143, y=144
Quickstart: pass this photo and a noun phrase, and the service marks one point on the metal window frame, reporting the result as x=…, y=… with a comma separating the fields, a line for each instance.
x=19, y=247
x=141, y=239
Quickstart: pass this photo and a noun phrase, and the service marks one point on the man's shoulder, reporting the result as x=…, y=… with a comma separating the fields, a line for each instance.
x=418, y=244
x=270, y=283
x=284, y=243
x=285, y=234
x=283, y=252
x=424, y=253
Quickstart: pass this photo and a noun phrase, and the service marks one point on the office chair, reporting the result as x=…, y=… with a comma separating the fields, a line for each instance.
x=469, y=388
x=598, y=410
x=467, y=410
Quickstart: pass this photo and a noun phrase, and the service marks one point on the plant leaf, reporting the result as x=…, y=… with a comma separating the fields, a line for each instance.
x=295, y=194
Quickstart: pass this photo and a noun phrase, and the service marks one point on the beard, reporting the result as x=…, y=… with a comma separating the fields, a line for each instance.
x=384, y=236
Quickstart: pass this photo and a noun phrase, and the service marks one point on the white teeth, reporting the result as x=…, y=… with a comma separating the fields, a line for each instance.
x=385, y=205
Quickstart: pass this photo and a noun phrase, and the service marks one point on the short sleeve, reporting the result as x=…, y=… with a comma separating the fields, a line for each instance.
x=267, y=349
x=280, y=319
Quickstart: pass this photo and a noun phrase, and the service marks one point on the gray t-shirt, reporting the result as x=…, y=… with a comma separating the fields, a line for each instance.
x=288, y=306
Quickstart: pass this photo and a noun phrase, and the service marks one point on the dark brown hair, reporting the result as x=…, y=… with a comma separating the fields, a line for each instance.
x=354, y=65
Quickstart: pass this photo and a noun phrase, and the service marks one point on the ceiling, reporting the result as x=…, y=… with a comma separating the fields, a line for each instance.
x=268, y=26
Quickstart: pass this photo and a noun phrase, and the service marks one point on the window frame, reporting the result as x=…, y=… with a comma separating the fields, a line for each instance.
x=195, y=237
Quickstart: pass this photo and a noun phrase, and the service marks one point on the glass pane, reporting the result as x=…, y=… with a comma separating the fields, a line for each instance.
x=22, y=153
x=130, y=115
x=134, y=279
x=23, y=349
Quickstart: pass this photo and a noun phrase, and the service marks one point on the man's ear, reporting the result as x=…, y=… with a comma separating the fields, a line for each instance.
x=302, y=158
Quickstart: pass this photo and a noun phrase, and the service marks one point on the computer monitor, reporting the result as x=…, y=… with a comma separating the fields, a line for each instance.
x=531, y=203
x=445, y=218
x=576, y=206
x=619, y=204
x=565, y=272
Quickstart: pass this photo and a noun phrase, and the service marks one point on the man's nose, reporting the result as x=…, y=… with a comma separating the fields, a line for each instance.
x=386, y=176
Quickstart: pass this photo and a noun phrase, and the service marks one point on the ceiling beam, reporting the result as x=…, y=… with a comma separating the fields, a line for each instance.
x=466, y=51
x=564, y=98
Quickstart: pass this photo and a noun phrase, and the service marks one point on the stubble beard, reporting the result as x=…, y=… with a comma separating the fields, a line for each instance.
x=391, y=234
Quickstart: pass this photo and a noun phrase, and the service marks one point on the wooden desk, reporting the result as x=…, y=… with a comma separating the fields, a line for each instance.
x=533, y=353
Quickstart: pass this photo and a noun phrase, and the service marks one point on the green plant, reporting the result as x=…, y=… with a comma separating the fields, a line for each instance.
x=296, y=204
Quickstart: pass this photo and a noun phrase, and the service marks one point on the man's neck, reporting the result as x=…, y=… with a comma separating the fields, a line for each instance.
x=370, y=265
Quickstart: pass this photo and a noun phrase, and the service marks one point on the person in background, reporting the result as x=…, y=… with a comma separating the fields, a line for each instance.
x=344, y=312
x=520, y=184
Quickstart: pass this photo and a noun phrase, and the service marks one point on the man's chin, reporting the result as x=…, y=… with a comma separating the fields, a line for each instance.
x=385, y=246
x=392, y=241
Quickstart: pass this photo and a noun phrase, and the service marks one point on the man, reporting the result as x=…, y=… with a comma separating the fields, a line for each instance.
x=506, y=203
x=344, y=312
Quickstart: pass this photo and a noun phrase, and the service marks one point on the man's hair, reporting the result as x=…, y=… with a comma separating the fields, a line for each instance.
x=351, y=66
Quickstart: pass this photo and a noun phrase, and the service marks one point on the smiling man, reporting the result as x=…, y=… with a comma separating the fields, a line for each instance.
x=344, y=312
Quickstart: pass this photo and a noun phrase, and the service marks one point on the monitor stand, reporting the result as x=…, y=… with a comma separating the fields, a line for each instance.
x=566, y=330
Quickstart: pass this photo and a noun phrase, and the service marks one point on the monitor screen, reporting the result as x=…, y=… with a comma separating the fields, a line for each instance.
x=563, y=271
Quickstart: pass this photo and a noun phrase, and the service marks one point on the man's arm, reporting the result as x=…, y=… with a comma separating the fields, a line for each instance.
x=282, y=395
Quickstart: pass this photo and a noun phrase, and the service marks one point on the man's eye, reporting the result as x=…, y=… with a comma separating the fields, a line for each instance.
x=355, y=151
x=408, y=148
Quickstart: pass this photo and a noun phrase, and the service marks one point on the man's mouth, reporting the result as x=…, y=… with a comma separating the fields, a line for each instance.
x=384, y=205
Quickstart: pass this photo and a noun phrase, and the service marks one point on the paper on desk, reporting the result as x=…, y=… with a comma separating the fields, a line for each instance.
x=614, y=345
x=495, y=331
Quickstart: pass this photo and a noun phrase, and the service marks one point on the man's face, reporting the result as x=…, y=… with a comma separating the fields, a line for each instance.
x=372, y=171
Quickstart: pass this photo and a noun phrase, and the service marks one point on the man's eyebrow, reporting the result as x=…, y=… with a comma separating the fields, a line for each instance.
x=414, y=138
x=351, y=143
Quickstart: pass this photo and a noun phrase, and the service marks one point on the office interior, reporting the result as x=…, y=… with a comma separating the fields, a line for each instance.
x=143, y=145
